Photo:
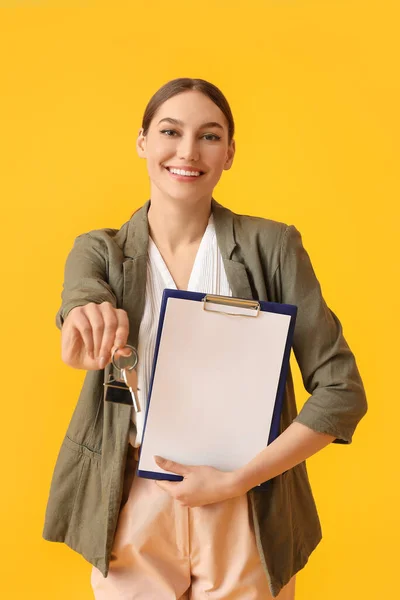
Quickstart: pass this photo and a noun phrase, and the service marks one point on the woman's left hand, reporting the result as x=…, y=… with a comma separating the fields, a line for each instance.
x=200, y=485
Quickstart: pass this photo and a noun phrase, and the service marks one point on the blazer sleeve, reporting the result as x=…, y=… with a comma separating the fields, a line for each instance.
x=85, y=276
x=328, y=367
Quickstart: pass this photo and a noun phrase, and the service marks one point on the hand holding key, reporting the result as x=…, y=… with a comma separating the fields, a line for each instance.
x=91, y=333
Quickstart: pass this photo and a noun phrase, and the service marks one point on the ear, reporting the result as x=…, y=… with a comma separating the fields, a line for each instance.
x=141, y=144
x=230, y=155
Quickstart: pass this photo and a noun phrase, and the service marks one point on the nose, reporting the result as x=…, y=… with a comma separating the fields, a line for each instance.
x=188, y=149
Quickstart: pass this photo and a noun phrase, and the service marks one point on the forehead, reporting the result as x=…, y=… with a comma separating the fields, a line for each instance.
x=191, y=107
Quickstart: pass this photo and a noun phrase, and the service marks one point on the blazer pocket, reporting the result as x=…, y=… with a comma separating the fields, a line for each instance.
x=65, y=485
x=86, y=528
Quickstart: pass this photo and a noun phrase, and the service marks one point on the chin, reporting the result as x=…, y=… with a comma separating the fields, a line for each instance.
x=186, y=195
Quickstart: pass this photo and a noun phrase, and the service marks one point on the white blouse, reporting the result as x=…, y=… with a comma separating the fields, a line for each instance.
x=208, y=275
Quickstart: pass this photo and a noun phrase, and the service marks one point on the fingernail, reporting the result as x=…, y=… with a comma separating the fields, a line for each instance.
x=102, y=362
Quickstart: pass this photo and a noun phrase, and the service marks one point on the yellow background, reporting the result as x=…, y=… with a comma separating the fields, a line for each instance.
x=314, y=88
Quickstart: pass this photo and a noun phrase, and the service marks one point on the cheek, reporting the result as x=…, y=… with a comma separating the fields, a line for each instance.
x=157, y=149
x=157, y=154
x=155, y=160
x=217, y=157
x=218, y=164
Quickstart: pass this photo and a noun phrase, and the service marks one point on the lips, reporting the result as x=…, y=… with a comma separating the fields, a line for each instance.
x=185, y=179
x=187, y=169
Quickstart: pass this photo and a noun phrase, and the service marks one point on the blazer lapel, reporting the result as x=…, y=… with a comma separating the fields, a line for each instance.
x=235, y=270
x=135, y=270
x=134, y=292
x=238, y=279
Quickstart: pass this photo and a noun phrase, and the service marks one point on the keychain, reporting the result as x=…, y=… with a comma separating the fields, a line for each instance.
x=123, y=389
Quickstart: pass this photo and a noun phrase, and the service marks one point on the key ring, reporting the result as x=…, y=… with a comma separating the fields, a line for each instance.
x=133, y=354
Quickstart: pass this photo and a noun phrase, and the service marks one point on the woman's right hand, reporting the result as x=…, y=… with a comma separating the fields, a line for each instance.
x=91, y=333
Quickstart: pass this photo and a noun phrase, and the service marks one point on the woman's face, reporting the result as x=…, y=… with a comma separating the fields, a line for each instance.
x=188, y=133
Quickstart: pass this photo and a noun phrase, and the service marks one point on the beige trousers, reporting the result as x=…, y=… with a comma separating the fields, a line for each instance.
x=164, y=551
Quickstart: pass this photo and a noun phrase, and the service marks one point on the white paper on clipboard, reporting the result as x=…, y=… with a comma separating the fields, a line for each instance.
x=214, y=387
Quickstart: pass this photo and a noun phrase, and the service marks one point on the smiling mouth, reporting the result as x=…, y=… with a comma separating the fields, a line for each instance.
x=184, y=173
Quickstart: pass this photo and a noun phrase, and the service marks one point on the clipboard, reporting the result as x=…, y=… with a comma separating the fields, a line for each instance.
x=218, y=379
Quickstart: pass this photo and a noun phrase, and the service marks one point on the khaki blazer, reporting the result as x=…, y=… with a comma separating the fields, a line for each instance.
x=264, y=260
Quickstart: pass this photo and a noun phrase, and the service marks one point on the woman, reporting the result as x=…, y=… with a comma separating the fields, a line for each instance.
x=210, y=535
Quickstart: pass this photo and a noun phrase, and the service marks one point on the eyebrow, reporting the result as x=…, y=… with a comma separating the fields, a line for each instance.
x=178, y=122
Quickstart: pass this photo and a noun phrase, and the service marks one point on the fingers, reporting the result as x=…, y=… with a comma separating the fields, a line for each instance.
x=82, y=324
x=101, y=328
x=122, y=332
x=96, y=318
x=174, y=489
x=172, y=466
x=167, y=486
x=110, y=323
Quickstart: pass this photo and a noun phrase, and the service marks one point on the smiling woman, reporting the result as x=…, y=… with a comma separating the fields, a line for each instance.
x=214, y=533
x=198, y=147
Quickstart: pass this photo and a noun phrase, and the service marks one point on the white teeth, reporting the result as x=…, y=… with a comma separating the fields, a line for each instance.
x=186, y=173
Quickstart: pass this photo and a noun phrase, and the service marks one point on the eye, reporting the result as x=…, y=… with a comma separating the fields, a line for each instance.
x=169, y=132
x=211, y=137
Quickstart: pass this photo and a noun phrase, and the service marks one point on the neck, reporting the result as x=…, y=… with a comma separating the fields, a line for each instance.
x=174, y=225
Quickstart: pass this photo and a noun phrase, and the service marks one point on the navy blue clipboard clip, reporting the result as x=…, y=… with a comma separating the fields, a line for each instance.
x=254, y=306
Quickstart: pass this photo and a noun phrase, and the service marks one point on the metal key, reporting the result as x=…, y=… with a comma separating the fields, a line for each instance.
x=124, y=385
x=130, y=378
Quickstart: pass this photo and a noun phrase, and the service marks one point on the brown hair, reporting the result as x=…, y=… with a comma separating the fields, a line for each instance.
x=177, y=86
